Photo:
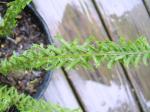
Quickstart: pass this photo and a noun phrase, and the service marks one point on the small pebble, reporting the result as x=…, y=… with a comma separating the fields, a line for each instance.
x=18, y=39
x=2, y=46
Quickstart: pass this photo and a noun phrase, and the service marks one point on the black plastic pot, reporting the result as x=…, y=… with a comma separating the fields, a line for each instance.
x=43, y=86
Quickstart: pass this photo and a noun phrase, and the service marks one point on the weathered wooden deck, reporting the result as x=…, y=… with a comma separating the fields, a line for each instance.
x=117, y=90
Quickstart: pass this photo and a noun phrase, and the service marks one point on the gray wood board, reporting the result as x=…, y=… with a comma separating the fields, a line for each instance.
x=100, y=90
x=60, y=92
x=129, y=18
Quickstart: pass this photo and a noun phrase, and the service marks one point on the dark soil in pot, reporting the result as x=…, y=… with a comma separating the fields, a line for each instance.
x=27, y=32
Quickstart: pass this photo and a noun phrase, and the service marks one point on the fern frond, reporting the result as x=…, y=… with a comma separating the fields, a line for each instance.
x=72, y=54
x=9, y=21
x=10, y=97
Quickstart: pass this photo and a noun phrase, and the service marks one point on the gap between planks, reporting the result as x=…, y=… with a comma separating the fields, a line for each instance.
x=109, y=36
x=129, y=23
x=88, y=85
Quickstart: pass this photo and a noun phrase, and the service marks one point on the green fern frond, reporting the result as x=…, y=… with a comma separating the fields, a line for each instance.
x=72, y=54
x=9, y=21
x=10, y=97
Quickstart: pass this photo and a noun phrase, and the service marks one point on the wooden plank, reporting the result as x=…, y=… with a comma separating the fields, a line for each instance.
x=130, y=19
x=147, y=5
x=59, y=91
x=101, y=90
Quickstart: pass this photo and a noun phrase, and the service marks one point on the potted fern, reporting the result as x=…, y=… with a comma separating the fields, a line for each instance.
x=19, y=32
x=69, y=55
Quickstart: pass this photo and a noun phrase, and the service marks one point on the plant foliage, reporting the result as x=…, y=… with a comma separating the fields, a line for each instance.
x=10, y=97
x=9, y=21
x=72, y=54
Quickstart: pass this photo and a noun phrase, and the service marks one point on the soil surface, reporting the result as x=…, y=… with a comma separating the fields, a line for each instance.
x=24, y=35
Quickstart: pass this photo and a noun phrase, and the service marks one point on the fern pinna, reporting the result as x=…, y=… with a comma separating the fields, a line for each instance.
x=72, y=54
x=9, y=22
x=10, y=97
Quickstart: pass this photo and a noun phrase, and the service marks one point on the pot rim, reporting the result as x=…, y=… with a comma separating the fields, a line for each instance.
x=43, y=86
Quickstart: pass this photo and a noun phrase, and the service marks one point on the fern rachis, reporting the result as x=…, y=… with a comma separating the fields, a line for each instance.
x=72, y=54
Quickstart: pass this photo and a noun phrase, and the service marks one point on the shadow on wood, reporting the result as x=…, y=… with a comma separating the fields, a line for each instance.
x=101, y=90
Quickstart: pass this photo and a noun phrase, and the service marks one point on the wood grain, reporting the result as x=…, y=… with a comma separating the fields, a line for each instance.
x=101, y=90
x=147, y=5
x=129, y=18
x=60, y=92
